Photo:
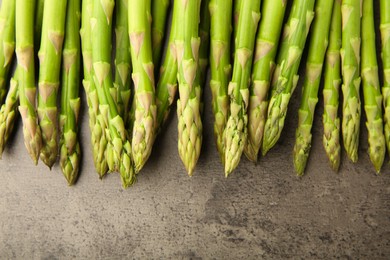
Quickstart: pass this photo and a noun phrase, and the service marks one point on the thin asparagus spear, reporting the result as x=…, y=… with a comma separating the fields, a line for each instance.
x=160, y=10
x=38, y=23
x=96, y=120
x=285, y=77
x=309, y=99
x=118, y=148
x=220, y=67
x=350, y=60
x=236, y=126
x=236, y=15
x=188, y=106
x=332, y=82
x=204, y=33
x=122, y=80
x=49, y=76
x=385, y=36
x=8, y=113
x=267, y=41
x=24, y=32
x=371, y=88
x=143, y=77
x=70, y=99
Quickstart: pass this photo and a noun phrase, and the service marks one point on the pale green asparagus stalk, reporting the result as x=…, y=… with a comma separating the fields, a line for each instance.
x=236, y=15
x=96, y=120
x=38, y=23
x=285, y=77
x=236, y=126
x=188, y=106
x=385, y=36
x=309, y=99
x=160, y=12
x=50, y=54
x=204, y=33
x=7, y=43
x=350, y=60
x=24, y=33
x=70, y=99
x=143, y=77
x=332, y=82
x=371, y=88
x=267, y=41
x=220, y=67
x=8, y=113
x=118, y=148
x=122, y=80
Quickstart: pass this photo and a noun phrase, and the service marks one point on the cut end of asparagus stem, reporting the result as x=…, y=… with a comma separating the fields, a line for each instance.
x=70, y=158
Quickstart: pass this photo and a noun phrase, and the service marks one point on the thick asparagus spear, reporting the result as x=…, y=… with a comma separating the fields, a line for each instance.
x=350, y=68
x=122, y=78
x=317, y=49
x=204, y=33
x=70, y=98
x=220, y=67
x=285, y=77
x=8, y=113
x=371, y=88
x=7, y=43
x=332, y=82
x=24, y=33
x=160, y=10
x=118, y=148
x=143, y=77
x=267, y=41
x=385, y=36
x=236, y=126
x=188, y=106
x=49, y=76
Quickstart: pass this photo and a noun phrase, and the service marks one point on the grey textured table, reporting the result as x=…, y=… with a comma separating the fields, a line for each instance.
x=261, y=211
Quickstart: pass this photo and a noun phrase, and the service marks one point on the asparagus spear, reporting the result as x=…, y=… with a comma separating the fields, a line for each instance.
x=236, y=126
x=7, y=43
x=188, y=106
x=96, y=120
x=160, y=10
x=70, y=99
x=204, y=33
x=350, y=60
x=143, y=77
x=49, y=76
x=8, y=113
x=122, y=78
x=332, y=82
x=371, y=88
x=38, y=23
x=24, y=33
x=285, y=77
x=317, y=49
x=385, y=36
x=220, y=67
x=118, y=148
x=267, y=41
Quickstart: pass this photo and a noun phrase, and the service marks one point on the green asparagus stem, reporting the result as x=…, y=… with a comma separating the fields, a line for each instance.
x=188, y=106
x=143, y=77
x=350, y=59
x=118, y=148
x=267, y=41
x=204, y=33
x=49, y=76
x=8, y=113
x=38, y=23
x=7, y=43
x=285, y=77
x=24, y=32
x=236, y=15
x=220, y=67
x=160, y=10
x=332, y=82
x=236, y=126
x=70, y=99
x=122, y=80
x=385, y=36
x=371, y=88
x=96, y=120
x=317, y=49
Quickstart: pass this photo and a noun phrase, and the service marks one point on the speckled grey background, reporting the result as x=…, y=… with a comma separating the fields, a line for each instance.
x=261, y=211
